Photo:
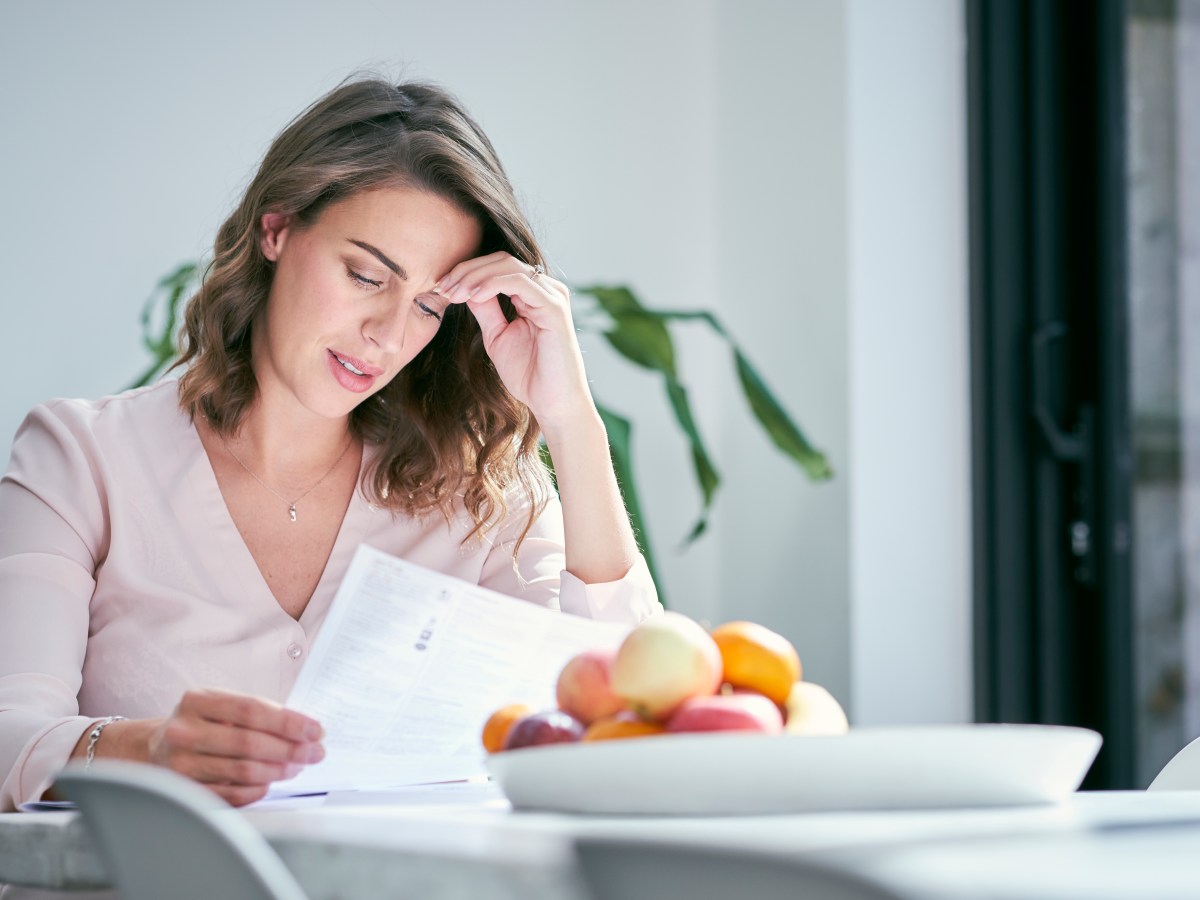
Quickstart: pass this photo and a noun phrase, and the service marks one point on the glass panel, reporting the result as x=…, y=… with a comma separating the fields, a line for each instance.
x=1163, y=85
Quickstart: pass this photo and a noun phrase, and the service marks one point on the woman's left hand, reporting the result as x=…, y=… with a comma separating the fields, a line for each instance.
x=537, y=354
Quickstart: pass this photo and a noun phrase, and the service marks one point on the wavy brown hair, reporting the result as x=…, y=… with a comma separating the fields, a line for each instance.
x=445, y=426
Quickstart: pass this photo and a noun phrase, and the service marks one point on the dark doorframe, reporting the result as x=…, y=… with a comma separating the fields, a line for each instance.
x=1051, y=425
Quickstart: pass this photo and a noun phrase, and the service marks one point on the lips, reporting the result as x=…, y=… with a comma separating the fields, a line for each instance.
x=363, y=367
x=351, y=372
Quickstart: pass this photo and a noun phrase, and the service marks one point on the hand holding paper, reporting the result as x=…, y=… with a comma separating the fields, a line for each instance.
x=410, y=662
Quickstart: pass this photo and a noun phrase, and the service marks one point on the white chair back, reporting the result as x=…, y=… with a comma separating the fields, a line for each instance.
x=1182, y=773
x=162, y=835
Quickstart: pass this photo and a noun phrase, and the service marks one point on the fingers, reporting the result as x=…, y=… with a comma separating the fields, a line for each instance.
x=473, y=270
x=490, y=317
x=225, y=739
x=239, y=795
x=224, y=770
x=500, y=273
x=236, y=744
x=251, y=712
x=537, y=354
x=533, y=301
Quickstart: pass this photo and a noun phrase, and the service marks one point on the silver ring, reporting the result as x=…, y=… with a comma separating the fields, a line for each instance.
x=538, y=269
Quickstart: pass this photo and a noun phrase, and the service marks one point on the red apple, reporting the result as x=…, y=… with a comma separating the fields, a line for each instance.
x=585, y=689
x=728, y=712
x=549, y=727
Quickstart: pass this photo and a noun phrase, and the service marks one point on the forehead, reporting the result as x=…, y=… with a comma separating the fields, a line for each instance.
x=425, y=233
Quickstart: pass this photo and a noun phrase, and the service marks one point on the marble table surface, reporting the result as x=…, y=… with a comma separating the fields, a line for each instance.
x=468, y=842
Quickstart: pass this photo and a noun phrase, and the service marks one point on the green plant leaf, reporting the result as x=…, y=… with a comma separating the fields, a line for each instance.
x=781, y=429
x=701, y=315
x=620, y=433
x=548, y=462
x=641, y=335
x=783, y=432
x=640, y=338
x=614, y=300
x=168, y=293
x=706, y=473
x=180, y=285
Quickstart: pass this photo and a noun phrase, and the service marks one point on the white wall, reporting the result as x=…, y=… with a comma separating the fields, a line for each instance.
x=909, y=467
x=767, y=159
x=783, y=292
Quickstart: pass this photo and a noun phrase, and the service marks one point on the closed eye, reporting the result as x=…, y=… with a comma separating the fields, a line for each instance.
x=426, y=310
x=362, y=280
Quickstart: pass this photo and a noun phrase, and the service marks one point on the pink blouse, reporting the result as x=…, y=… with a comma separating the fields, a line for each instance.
x=124, y=581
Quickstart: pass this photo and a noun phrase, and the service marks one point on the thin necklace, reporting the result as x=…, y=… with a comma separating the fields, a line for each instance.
x=292, y=504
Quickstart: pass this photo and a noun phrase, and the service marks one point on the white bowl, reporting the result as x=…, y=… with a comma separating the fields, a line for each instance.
x=730, y=773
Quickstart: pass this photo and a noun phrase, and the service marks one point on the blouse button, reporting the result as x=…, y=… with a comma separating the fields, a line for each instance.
x=295, y=651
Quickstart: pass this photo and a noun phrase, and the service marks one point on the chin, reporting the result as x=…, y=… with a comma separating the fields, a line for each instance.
x=335, y=407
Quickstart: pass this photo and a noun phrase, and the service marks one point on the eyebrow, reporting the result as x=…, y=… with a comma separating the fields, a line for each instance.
x=382, y=257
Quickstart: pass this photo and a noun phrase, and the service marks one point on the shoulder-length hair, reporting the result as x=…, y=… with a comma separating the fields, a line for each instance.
x=445, y=427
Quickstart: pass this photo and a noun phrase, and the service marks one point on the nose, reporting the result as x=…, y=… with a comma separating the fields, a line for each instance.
x=386, y=329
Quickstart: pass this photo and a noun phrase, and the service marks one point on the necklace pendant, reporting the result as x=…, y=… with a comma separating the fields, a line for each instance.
x=292, y=511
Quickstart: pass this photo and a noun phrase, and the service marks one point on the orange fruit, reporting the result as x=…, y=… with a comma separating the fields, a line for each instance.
x=756, y=658
x=496, y=729
x=621, y=725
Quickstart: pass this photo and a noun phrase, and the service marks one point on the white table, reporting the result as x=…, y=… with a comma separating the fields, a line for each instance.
x=451, y=845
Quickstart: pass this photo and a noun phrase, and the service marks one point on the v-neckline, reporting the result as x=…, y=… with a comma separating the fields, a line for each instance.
x=237, y=562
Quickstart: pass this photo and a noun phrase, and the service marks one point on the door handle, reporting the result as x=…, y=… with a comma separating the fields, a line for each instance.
x=1074, y=446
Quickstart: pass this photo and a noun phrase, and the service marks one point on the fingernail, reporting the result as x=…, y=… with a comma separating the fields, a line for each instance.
x=291, y=770
x=313, y=731
x=315, y=753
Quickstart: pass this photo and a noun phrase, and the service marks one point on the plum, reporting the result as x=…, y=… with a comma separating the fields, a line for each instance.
x=548, y=727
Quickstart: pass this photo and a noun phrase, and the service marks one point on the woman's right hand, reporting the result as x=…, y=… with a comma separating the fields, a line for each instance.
x=233, y=744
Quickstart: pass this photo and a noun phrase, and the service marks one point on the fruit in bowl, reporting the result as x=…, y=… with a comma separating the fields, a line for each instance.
x=584, y=687
x=664, y=661
x=727, y=712
x=498, y=725
x=756, y=658
x=813, y=710
x=551, y=726
x=671, y=676
x=625, y=724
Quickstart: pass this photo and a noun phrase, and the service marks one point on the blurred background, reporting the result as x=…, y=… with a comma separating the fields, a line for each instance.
x=799, y=168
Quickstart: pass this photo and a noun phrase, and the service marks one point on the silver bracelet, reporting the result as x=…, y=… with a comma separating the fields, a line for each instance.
x=94, y=739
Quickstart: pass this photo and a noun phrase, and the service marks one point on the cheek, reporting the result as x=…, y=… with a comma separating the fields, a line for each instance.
x=427, y=331
x=324, y=304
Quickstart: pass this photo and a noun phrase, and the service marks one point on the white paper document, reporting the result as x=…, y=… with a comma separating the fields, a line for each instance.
x=410, y=663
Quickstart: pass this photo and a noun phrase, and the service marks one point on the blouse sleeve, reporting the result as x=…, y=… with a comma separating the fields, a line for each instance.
x=539, y=574
x=52, y=535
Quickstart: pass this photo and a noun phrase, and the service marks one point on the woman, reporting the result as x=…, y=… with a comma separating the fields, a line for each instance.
x=372, y=354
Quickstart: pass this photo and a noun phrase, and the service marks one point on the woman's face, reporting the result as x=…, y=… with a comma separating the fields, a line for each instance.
x=350, y=302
